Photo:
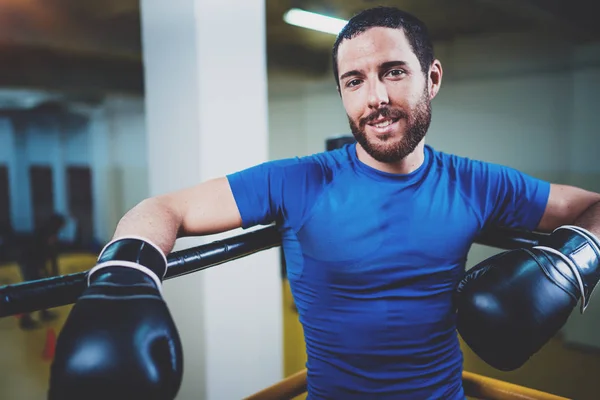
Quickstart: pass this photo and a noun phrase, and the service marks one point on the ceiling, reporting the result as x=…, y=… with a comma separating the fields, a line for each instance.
x=88, y=47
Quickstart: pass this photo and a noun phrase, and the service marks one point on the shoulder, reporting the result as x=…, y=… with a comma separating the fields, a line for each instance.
x=333, y=160
x=452, y=164
x=460, y=165
x=480, y=175
x=283, y=178
x=323, y=165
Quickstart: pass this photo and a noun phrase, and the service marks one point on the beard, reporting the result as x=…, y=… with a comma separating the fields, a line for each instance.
x=383, y=148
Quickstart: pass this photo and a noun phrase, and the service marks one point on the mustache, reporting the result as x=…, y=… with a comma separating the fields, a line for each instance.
x=385, y=112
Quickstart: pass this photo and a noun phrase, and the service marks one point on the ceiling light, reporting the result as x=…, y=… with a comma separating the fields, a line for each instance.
x=317, y=22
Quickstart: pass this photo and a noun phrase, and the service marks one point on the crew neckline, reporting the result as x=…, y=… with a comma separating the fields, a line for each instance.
x=389, y=176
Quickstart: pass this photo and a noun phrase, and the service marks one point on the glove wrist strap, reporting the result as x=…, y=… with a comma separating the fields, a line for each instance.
x=136, y=253
x=126, y=264
x=582, y=250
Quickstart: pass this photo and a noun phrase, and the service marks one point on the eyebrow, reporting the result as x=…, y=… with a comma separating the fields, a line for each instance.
x=385, y=65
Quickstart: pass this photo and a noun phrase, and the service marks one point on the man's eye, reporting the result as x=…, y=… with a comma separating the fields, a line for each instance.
x=396, y=72
x=353, y=83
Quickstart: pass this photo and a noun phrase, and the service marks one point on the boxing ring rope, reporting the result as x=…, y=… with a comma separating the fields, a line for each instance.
x=63, y=290
x=483, y=387
x=24, y=297
x=477, y=386
x=292, y=386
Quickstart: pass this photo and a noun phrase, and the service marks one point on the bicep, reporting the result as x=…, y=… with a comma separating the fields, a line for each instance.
x=565, y=204
x=206, y=208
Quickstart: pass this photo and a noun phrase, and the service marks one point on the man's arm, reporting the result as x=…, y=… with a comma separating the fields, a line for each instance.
x=525, y=296
x=569, y=205
x=203, y=209
x=131, y=269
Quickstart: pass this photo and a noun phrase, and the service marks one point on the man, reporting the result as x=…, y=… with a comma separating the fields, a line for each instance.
x=375, y=234
x=36, y=253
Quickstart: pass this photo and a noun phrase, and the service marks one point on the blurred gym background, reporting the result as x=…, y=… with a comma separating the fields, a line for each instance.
x=520, y=87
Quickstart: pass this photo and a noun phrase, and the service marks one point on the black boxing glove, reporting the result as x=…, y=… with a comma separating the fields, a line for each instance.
x=511, y=304
x=119, y=340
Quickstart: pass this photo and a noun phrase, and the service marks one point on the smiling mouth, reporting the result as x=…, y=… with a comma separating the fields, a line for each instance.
x=383, y=123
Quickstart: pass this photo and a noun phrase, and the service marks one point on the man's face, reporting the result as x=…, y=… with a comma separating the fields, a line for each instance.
x=384, y=92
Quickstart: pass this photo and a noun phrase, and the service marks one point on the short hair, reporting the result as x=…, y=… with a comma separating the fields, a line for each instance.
x=415, y=30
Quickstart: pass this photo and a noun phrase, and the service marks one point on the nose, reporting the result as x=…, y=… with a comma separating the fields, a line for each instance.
x=378, y=95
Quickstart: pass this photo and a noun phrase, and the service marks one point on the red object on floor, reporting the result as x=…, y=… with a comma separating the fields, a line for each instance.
x=50, y=345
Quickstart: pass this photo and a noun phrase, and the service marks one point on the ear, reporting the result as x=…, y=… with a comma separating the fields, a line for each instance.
x=435, y=78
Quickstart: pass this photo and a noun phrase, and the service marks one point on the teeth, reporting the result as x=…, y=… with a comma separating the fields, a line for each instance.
x=383, y=124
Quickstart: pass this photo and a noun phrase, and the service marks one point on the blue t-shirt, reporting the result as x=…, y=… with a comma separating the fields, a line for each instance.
x=373, y=259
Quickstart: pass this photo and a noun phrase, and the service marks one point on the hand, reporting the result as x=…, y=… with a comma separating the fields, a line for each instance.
x=511, y=304
x=119, y=341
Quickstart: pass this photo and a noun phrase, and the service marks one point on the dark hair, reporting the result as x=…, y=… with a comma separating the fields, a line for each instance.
x=52, y=225
x=388, y=17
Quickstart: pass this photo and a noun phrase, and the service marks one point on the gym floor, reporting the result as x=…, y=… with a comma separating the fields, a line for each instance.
x=25, y=356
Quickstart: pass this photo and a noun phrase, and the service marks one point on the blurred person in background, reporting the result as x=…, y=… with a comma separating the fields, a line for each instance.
x=38, y=258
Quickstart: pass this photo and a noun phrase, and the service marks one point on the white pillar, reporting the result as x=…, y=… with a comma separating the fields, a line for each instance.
x=206, y=113
x=104, y=191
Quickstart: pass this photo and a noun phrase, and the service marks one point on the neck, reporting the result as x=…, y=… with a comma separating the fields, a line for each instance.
x=407, y=165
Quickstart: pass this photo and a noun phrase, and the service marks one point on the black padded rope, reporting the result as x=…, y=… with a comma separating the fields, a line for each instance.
x=61, y=290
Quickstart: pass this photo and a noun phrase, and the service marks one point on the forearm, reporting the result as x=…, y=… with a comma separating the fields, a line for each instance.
x=590, y=219
x=153, y=219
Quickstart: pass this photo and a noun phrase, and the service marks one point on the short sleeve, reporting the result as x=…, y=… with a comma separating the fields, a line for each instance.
x=509, y=197
x=277, y=191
